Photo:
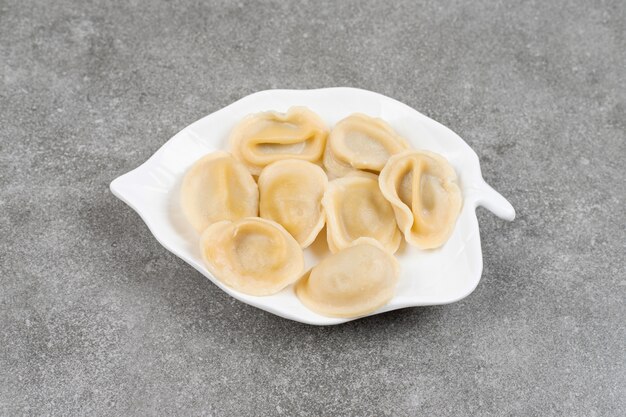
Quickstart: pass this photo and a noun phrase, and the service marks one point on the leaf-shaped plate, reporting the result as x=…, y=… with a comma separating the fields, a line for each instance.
x=432, y=277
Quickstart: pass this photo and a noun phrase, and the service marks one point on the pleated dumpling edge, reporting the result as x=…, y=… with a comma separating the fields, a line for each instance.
x=262, y=138
x=290, y=192
x=423, y=189
x=361, y=143
x=252, y=255
x=353, y=282
x=217, y=187
x=355, y=208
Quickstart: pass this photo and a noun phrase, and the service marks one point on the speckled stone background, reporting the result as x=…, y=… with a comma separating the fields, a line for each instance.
x=96, y=318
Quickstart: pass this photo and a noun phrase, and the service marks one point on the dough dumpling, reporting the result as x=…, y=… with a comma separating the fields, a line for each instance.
x=422, y=188
x=262, y=138
x=291, y=193
x=361, y=142
x=356, y=208
x=350, y=283
x=218, y=187
x=252, y=255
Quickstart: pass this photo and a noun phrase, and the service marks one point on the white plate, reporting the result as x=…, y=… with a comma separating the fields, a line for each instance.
x=433, y=277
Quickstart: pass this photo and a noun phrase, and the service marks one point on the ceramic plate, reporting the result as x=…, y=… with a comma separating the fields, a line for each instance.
x=432, y=277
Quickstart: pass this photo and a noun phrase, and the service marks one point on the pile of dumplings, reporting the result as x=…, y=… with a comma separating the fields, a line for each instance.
x=257, y=207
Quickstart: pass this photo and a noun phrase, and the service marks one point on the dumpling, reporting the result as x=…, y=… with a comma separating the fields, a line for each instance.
x=361, y=142
x=263, y=138
x=290, y=193
x=350, y=283
x=422, y=188
x=356, y=208
x=218, y=187
x=252, y=255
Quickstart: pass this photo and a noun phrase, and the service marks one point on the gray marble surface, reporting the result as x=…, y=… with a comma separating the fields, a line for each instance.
x=96, y=318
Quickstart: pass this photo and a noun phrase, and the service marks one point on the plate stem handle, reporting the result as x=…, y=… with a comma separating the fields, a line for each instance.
x=495, y=203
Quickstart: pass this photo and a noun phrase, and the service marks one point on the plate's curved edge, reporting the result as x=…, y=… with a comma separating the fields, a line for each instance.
x=486, y=197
